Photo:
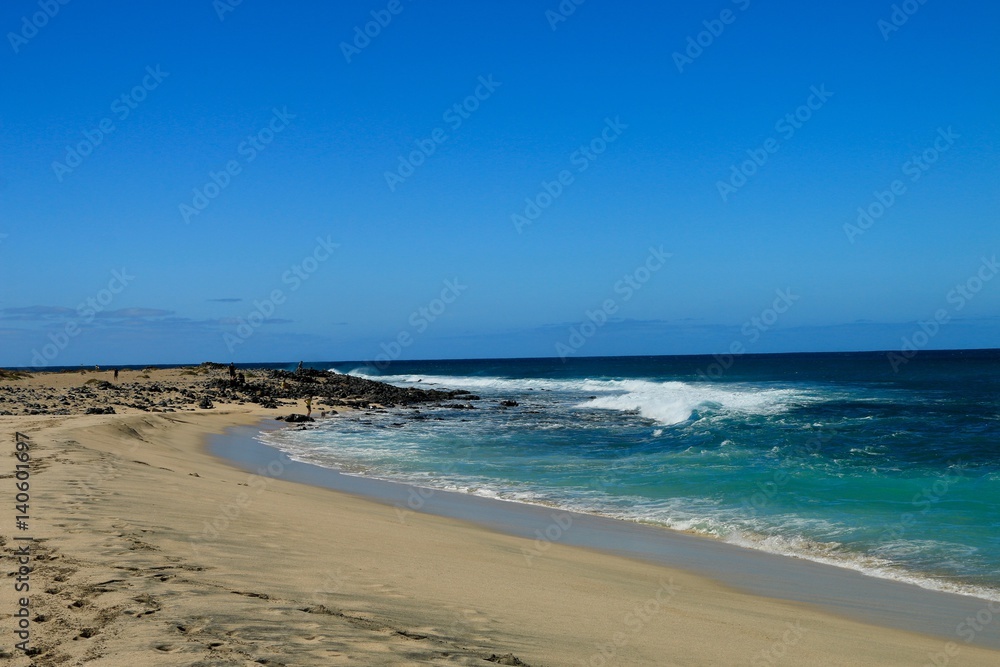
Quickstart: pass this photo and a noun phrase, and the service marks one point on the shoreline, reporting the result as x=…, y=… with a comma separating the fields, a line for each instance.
x=853, y=594
x=124, y=573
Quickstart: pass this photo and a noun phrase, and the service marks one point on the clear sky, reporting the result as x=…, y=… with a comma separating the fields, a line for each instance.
x=261, y=181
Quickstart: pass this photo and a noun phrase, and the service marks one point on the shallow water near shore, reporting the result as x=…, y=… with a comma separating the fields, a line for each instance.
x=836, y=458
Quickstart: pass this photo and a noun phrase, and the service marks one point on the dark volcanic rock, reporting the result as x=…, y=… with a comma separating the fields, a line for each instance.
x=509, y=404
x=100, y=411
x=295, y=418
x=332, y=388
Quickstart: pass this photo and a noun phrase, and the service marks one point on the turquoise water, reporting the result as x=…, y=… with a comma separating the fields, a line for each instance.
x=834, y=458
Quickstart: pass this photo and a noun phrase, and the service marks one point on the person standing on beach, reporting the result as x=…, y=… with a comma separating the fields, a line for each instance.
x=232, y=371
x=116, y=375
x=309, y=406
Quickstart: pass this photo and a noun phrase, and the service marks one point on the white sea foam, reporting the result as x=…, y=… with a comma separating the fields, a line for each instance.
x=675, y=402
x=667, y=403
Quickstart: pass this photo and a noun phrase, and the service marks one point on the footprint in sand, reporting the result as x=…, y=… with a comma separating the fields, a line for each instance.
x=167, y=648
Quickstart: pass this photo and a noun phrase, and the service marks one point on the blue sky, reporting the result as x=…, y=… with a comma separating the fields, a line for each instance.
x=193, y=180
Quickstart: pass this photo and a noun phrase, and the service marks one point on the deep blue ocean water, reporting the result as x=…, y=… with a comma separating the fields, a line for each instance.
x=831, y=457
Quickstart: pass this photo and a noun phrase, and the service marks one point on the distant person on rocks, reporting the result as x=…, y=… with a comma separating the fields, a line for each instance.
x=116, y=375
x=242, y=379
x=232, y=371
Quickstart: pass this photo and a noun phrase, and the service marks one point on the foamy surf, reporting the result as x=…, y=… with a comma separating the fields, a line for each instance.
x=667, y=403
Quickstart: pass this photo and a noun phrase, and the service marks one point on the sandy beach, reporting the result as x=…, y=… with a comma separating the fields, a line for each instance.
x=147, y=550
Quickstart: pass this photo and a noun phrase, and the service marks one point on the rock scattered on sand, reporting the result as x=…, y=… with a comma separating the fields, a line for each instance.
x=295, y=418
x=205, y=387
x=506, y=659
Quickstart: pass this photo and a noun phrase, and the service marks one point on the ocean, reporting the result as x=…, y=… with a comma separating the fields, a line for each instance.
x=838, y=458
